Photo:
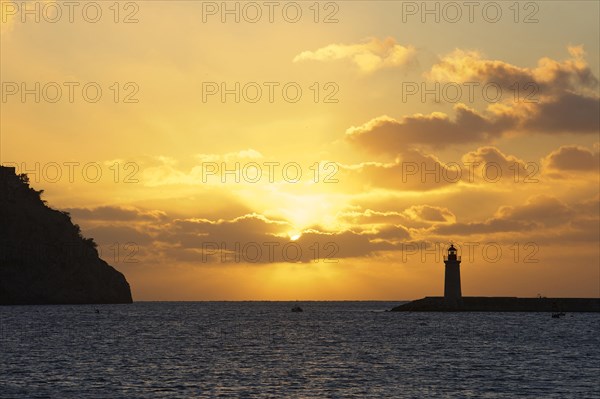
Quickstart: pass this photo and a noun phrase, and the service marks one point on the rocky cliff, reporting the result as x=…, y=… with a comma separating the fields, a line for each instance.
x=44, y=259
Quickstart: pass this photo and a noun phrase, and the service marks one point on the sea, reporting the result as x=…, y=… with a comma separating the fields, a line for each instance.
x=263, y=350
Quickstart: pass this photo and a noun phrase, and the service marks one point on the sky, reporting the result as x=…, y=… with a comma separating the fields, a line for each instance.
x=314, y=150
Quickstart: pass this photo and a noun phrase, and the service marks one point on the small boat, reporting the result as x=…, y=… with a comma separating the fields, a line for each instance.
x=297, y=309
x=556, y=311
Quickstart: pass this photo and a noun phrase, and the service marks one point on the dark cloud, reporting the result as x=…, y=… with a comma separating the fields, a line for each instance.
x=108, y=235
x=395, y=233
x=489, y=164
x=251, y=238
x=387, y=135
x=564, y=100
x=415, y=170
x=429, y=213
x=413, y=217
x=114, y=213
x=254, y=238
x=550, y=76
x=412, y=171
x=539, y=212
x=568, y=112
x=573, y=158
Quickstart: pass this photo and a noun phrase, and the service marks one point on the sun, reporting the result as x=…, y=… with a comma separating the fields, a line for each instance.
x=294, y=235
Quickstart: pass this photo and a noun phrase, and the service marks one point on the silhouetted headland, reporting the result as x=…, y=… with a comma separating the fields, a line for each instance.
x=453, y=301
x=44, y=259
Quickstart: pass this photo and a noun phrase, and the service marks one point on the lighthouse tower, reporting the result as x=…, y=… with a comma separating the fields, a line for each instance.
x=452, y=292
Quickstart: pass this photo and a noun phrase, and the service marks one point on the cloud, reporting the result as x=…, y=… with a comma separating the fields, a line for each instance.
x=255, y=238
x=543, y=221
x=413, y=170
x=550, y=76
x=251, y=238
x=116, y=214
x=368, y=56
x=417, y=170
x=573, y=158
x=569, y=113
x=246, y=228
x=387, y=135
x=427, y=213
x=564, y=93
x=206, y=168
x=394, y=233
x=539, y=212
x=489, y=164
x=542, y=209
x=120, y=235
x=567, y=102
x=566, y=112
x=371, y=217
x=384, y=224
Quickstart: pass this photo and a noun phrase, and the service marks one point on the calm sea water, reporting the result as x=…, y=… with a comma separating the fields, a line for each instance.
x=262, y=350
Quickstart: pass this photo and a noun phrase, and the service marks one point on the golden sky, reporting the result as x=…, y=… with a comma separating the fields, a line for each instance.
x=314, y=150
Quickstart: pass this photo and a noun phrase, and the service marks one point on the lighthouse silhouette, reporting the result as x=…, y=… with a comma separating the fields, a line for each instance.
x=452, y=291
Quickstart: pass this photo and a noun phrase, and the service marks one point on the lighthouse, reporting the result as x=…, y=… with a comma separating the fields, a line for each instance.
x=452, y=292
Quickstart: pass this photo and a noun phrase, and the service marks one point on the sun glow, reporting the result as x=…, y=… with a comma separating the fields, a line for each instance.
x=294, y=235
